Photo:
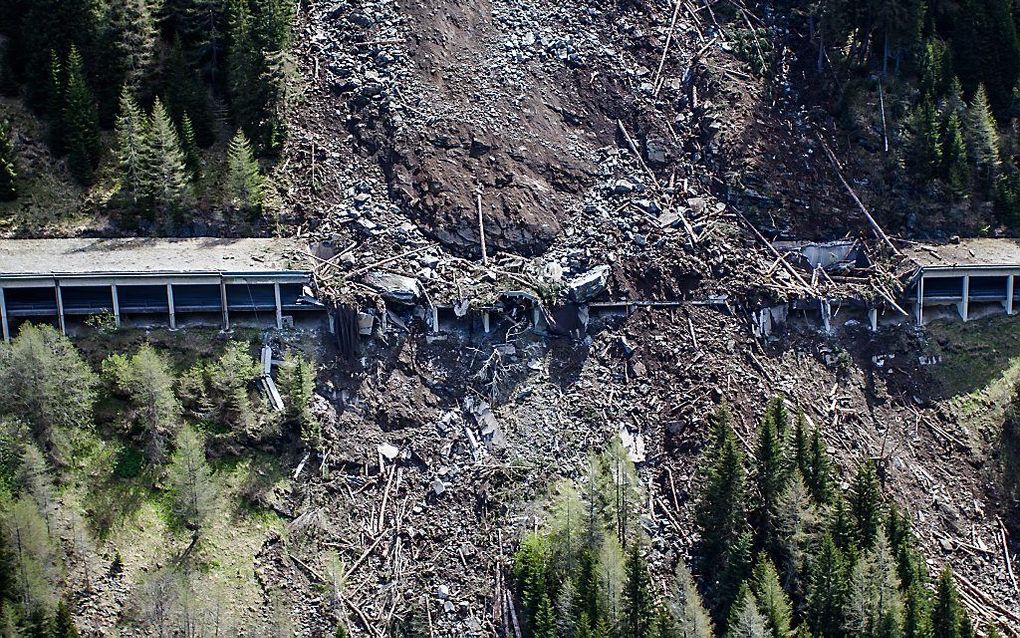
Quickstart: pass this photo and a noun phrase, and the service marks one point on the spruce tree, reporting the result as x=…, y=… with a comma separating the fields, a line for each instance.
x=244, y=183
x=638, y=603
x=530, y=572
x=192, y=156
x=983, y=135
x=745, y=621
x=827, y=590
x=720, y=514
x=243, y=67
x=773, y=602
x=297, y=380
x=917, y=611
x=81, y=122
x=685, y=606
x=55, y=96
x=866, y=505
x=802, y=446
x=184, y=94
x=947, y=614
x=771, y=474
x=820, y=481
x=165, y=179
x=132, y=133
x=8, y=167
x=927, y=140
x=545, y=622
x=63, y=622
x=955, y=168
x=191, y=481
x=135, y=41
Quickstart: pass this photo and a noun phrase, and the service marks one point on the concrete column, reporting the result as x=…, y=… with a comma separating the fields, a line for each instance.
x=435, y=319
x=920, y=299
x=873, y=319
x=964, y=307
x=3, y=317
x=536, y=316
x=223, y=305
x=170, y=306
x=1009, y=294
x=826, y=313
x=485, y=321
x=279, y=307
x=116, y=304
x=60, y=307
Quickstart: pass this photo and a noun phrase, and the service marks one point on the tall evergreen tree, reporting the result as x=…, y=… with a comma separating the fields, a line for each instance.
x=955, y=168
x=186, y=96
x=773, y=602
x=135, y=41
x=244, y=183
x=201, y=26
x=827, y=590
x=192, y=156
x=55, y=96
x=866, y=505
x=802, y=446
x=720, y=514
x=983, y=135
x=685, y=606
x=132, y=133
x=8, y=166
x=947, y=614
x=638, y=602
x=165, y=174
x=927, y=140
x=771, y=474
x=63, y=622
x=986, y=49
x=194, y=491
x=745, y=621
x=820, y=481
x=81, y=121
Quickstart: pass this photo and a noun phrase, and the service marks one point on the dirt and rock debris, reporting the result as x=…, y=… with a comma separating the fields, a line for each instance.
x=626, y=143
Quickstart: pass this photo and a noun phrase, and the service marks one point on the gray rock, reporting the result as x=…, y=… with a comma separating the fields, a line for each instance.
x=589, y=285
x=394, y=287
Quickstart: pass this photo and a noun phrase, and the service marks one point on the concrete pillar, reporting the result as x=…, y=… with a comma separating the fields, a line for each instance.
x=1009, y=294
x=485, y=321
x=964, y=306
x=920, y=299
x=873, y=319
x=170, y=306
x=536, y=316
x=60, y=307
x=3, y=317
x=116, y=304
x=435, y=319
x=279, y=307
x=223, y=305
x=826, y=312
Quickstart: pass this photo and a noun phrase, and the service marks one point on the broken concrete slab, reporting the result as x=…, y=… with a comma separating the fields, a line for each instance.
x=589, y=285
x=394, y=287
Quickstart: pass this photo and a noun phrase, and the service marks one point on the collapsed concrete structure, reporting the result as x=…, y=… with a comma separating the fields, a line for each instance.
x=146, y=281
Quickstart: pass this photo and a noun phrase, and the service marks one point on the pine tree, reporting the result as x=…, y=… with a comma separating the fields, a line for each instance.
x=874, y=607
x=244, y=183
x=191, y=480
x=983, y=135
x=735, y=569
x=297, y=380
x=638, y=603
x=48, y=384
x=192, y=156
x=685, y=606
x=827, y=590
x=230, y=377
x=720, y=515
x=820, y=481
x=80, y=121
x=165, y=174
x=63, y=623
x=773, y=602
x=927, y=140
x=135, y=40
x=530, y=572
x=147, y=381
x=8, y=167
x=186, y=95
x=936, y=72
x=866, y=506
x=55, y=96
x=745, y=621
x=955, y=168
x=796, y=518
x=947, y=614
x=771, y=474
x=802, y=446
x=917, y=611
x=566, y=612
x=545, y=623
x=132, y=132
